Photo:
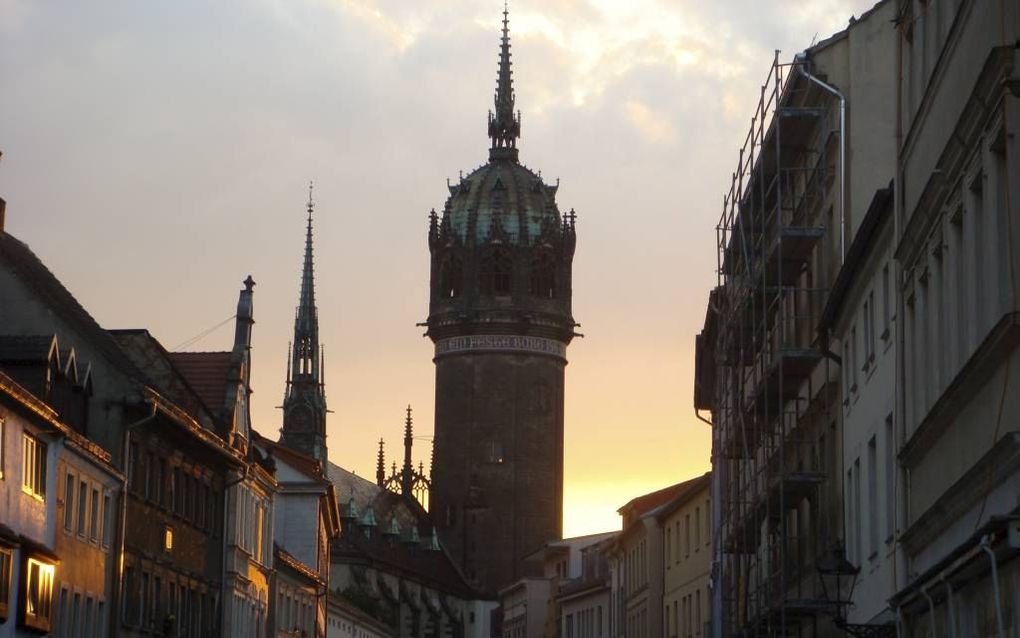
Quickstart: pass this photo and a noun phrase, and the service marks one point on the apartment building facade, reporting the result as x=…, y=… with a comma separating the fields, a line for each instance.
x=687, y=558
x=957, y=238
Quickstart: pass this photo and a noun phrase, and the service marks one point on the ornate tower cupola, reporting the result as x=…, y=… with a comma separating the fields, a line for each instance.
x=500, y=318
x=304, y=403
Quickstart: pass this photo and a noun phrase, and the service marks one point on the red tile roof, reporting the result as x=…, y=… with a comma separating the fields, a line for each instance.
x=208, y=375
x=645, y=504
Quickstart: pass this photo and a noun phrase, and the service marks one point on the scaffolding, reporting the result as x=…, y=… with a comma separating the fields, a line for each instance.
x=770, y=387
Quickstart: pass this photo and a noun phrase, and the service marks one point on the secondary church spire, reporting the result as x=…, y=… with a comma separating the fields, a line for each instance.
x=306, y=322
x=304, y=405
x=504, y=123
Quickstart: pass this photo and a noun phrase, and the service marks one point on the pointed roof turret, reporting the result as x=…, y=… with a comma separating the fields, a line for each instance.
x=504, y=123
x=380, y=468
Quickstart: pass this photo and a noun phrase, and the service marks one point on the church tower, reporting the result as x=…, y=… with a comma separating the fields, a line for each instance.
x=500, y=319
x=304, y=401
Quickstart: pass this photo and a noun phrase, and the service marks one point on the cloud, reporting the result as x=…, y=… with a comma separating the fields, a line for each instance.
x=654, y=127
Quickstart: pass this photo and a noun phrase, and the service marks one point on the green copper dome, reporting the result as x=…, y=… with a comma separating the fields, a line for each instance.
x=501, y=200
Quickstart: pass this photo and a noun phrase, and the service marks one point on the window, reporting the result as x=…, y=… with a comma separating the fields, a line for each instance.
x=128, y=609
x=869, y=331
x=697, y=528
x=886, y=301
x=6, y=561
x=145, y=613
x=62, y=613
x=857, y=511
x=708, y=522
x=75, y=614
x=94, y=515
x=83, y=494
x=890, y=478
x=687, y=535
x=543, y=275
x=100, y=626
x=135, y=458
x=2, y=433
x=157, y=600
x=69, y=484
x=149, y=474
x=89, y=620
x=260, y=529
x=495, y=273
x=107, y=519
x=33, y=467
x=873, y=496
x=158, y=480
x=697, y=610
x=168, y=538
x=853, y=359
x=867, y=334
x=178, y=488
x=451, y=275
x=38, y=594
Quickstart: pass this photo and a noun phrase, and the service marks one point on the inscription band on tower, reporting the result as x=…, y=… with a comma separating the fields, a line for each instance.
x=501, y=343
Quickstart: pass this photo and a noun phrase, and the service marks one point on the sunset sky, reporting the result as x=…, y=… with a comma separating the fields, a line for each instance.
x=156, y=153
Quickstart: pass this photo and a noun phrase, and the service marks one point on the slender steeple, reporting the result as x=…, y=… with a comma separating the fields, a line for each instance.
x=304, y=405
x=504, y=123
x=306, y=322
x=407, y=475
x=380, y=468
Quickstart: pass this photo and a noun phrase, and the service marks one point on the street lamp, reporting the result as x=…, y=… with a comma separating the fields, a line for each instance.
x=836, y=573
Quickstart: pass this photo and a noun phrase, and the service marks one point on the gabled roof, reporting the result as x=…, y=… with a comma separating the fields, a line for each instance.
x=30, y=270
x=27, y=348
x=688, y=491
x=160, y=372
x=207, y=373
x=643, y=504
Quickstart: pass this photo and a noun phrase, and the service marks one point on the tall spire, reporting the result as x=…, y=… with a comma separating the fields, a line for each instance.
x=306, y=328
x=406, y=475
x=304, y=420
x=504, y=123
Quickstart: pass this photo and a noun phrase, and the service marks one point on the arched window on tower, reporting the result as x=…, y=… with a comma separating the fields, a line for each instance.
x=543, y=274
x=495, y=272
x=451, y=276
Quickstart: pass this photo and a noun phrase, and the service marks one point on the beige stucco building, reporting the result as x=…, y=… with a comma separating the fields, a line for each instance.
x=687, y=560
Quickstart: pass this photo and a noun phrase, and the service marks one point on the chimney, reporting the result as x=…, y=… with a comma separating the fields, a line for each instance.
x=245, y=317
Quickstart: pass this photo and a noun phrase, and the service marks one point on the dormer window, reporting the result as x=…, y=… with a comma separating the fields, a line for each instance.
x=495, y=275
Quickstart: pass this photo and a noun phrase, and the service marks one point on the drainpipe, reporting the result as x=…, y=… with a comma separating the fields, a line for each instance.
x=987, y=547
x=842, y=154
x=118, y=595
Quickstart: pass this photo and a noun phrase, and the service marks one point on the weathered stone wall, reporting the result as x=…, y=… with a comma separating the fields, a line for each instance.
x=498, y=475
